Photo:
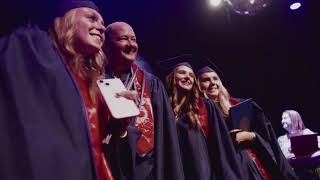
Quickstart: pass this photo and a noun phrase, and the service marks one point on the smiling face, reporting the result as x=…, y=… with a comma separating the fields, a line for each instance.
x=210, y=84
x=122, y=47
x=88, y=31
x=287, y=122
x=184, y=78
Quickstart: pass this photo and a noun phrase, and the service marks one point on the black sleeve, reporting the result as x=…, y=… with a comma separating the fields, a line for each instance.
x=168, y=158
x=267, y=138
x=221, y=148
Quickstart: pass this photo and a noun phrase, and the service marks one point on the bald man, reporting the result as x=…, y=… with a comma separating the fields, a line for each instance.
x=146, y=146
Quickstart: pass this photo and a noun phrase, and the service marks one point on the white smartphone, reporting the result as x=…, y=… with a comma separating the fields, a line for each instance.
x=119, y=107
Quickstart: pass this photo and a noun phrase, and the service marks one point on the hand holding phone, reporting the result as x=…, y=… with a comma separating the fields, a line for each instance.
x=131, y=94
x=119, y=106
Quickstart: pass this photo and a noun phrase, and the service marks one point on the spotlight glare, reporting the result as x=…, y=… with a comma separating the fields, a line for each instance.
x=295, y=6
x=215, y=3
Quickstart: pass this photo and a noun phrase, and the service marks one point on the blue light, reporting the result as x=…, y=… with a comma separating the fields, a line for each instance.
x=295, y=6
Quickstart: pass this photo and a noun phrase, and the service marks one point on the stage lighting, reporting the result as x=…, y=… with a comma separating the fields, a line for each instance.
x=248, y=7
x=215, y=3
x=243, y=7
x=295, y=5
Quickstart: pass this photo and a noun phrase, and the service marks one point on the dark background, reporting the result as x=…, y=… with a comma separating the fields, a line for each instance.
x=273, y=57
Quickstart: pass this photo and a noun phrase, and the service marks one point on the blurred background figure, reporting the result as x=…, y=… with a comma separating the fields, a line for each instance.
x=305, y=167
x=293, y=124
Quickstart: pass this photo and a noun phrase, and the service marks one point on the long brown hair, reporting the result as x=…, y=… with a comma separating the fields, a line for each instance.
x=87, y=68
x=296, y=120
x=191, y=103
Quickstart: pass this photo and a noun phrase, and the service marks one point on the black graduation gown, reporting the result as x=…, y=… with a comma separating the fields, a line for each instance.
x=43, y=125
x=249, y=168
x=194, y=151
x=211, y=158
x=164, y=161
x=267, y=150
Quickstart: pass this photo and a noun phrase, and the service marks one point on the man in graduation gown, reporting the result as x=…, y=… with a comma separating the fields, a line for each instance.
x=146, y=146
x=43, y=124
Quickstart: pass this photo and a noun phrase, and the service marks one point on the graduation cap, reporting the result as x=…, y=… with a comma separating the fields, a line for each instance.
x=67, y=5
x=182, y=60
x=205, y=65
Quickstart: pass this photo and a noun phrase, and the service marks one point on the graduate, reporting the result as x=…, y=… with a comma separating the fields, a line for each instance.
x=206, y=148
x=50, y=126
x=258, y=151
x=145, y=146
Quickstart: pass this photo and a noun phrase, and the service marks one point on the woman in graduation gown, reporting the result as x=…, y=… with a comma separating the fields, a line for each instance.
x=50, y=124
x=206, y=149
x=258, y=151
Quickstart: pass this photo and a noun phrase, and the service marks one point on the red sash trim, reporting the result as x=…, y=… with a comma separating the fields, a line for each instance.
x=234, y=101
x=96, y=127
x=260, y=167
x=203, y=118
x=145, y=120
x=262, y=170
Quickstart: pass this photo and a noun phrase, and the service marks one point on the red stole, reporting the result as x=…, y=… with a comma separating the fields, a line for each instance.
x=262, y=170
x=234, y=101
x=203, y=118
x=145, y=120
x=97, y=126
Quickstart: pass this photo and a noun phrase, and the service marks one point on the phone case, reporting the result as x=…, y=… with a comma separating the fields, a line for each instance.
x=119, y=107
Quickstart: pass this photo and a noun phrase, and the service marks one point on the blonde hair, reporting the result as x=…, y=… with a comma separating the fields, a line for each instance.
x=88, y=68
x=191, y=103
x=223, y=99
